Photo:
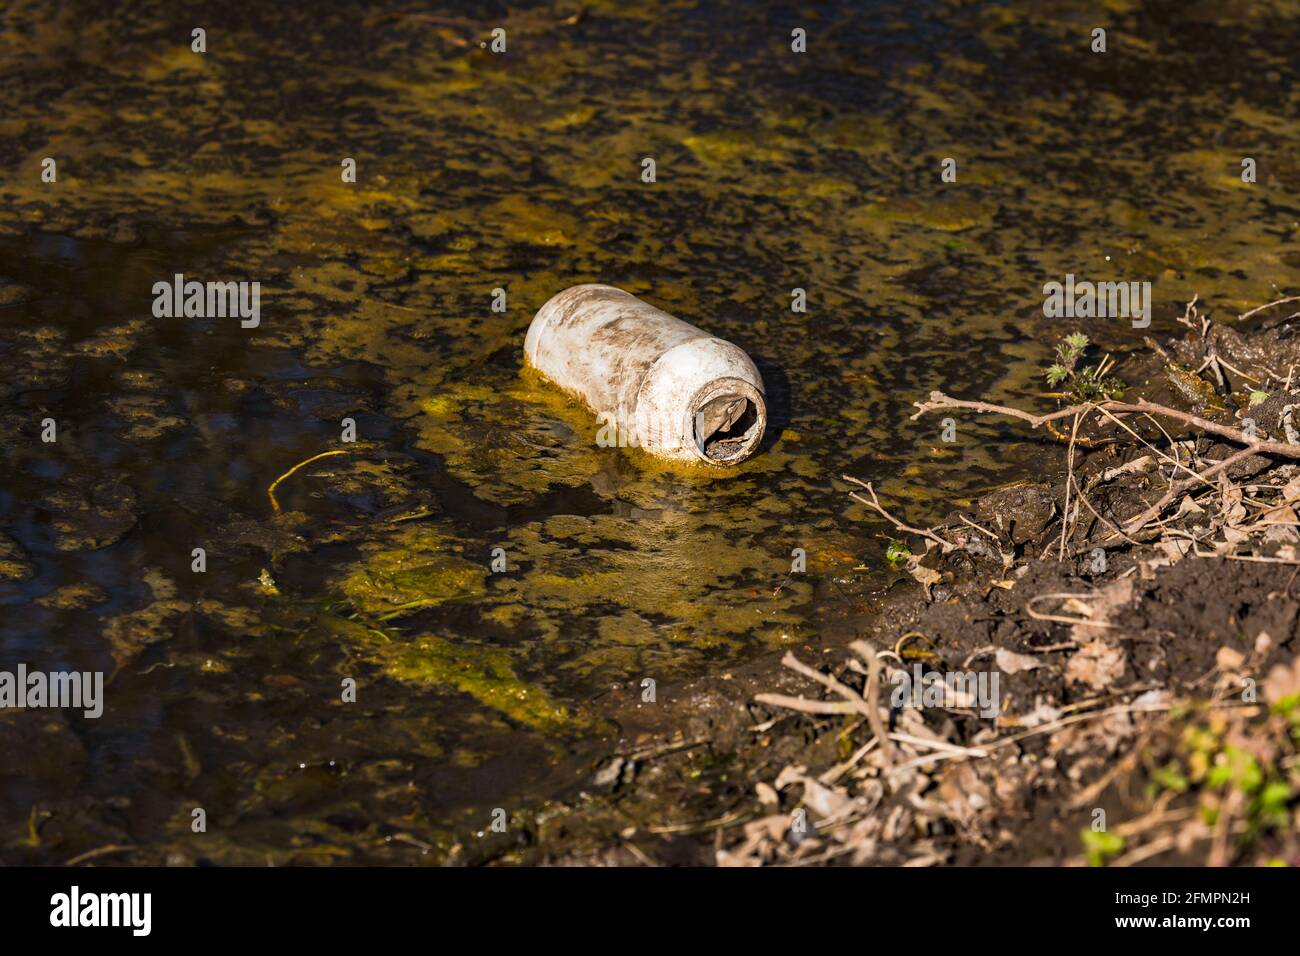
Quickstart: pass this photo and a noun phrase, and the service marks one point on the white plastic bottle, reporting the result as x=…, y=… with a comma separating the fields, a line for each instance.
x=674, y=390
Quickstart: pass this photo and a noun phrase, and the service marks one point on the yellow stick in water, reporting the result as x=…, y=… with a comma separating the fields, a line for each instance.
x=270, y=492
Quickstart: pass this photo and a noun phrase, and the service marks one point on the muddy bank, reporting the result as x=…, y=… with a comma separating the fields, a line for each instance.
x=1147, y=698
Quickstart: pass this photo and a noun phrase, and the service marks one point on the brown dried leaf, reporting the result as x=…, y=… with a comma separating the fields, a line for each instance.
x=1175, y=549
x=1229, y=659
x=824, y=801
x=1103, y=606
x=1009, y=662
x=1283, y=681
x=1234, y=512
x=1096, y=664
x=927, y=576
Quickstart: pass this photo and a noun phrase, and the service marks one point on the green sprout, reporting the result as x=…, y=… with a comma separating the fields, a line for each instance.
x=897, y=553
x=1228, y=768
x=1099, y=846
x=1081, y=383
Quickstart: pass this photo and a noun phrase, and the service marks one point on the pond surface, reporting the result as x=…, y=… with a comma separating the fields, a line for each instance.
x=480, y=687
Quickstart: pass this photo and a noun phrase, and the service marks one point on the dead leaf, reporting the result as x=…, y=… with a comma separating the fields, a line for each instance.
x=927, y=576
x=1103, y=605
x=1096, y=664
x=823, y=801
x=1041, y=714
x=1228, y=659
x=1076, y=606
x=1279, y=516
x=1155, y=699
x=1137, y=464
x=1175, y=549
x=1234, y=512
x=1283, y=681
x=791, y=773
x=1009, y=662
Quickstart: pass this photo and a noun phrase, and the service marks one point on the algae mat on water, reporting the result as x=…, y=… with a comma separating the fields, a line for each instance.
x=414, y=570
x=485, y=673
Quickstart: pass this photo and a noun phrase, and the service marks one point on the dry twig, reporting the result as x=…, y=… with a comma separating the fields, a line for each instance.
x=875, y=503
x=939, y=401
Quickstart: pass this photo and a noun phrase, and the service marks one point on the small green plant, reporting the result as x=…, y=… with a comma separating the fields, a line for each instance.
x=1289, y=708
x=1227, y=768
x=1269, y=807
x=1258, y=397
x=1099, y=846
x=1170, y=777
x=1084, y=383
x=897, y=553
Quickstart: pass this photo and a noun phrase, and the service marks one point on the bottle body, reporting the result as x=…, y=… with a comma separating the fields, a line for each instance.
x=671, y=388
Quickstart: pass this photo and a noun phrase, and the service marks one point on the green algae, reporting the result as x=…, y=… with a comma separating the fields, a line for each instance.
x=415, y=569
x=952, y=214
x=728, y=149
x=486, y=674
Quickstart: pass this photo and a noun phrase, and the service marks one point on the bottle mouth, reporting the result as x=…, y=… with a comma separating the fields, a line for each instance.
x=727, y=422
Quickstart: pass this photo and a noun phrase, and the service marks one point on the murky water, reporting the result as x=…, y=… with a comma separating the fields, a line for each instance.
x=482, y=688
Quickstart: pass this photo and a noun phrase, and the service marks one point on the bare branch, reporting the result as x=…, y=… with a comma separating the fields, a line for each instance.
x=875, y=503
x=1261, y=308
x=938, y=401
